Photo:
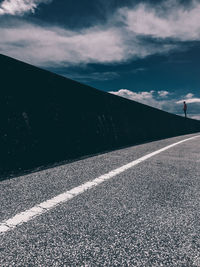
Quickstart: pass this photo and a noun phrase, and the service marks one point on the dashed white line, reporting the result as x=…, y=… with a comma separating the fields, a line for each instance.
x=64, y=197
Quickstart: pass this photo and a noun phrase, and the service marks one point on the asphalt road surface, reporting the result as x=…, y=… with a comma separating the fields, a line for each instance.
x=145, y=215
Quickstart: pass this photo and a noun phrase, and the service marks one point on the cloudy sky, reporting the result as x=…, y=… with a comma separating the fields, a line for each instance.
x=148, y=51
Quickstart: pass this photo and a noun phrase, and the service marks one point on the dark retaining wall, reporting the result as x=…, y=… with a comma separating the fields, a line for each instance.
x=46, y=118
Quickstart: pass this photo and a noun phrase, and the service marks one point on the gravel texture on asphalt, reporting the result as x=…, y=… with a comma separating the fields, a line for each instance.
x=148, y=215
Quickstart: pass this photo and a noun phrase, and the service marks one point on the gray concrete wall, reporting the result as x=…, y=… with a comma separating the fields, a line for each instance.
x=46, y=119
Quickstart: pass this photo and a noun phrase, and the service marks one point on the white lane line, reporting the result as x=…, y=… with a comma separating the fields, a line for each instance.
x=47, y=205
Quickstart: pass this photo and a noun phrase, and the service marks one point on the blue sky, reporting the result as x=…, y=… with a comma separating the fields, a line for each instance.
x=148, y=51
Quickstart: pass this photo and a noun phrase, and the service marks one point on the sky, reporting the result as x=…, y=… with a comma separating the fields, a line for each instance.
x=147, y=51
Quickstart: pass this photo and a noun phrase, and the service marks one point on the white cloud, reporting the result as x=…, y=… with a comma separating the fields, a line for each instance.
x=52, y=45
x=143, y=97
x=189, y=100
x=163, y=93
x=189, y=95
x=19, y=7
x=170, y=20
x=45, y=46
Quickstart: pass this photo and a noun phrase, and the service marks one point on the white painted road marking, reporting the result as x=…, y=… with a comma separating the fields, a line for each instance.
x=64, y=197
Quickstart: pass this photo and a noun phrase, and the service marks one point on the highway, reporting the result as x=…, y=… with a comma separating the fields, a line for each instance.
x=133, y=212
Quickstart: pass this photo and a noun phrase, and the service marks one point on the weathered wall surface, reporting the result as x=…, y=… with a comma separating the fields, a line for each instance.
x=46, y=118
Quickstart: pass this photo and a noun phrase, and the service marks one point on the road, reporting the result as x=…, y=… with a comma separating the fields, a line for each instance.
x=147, y=215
